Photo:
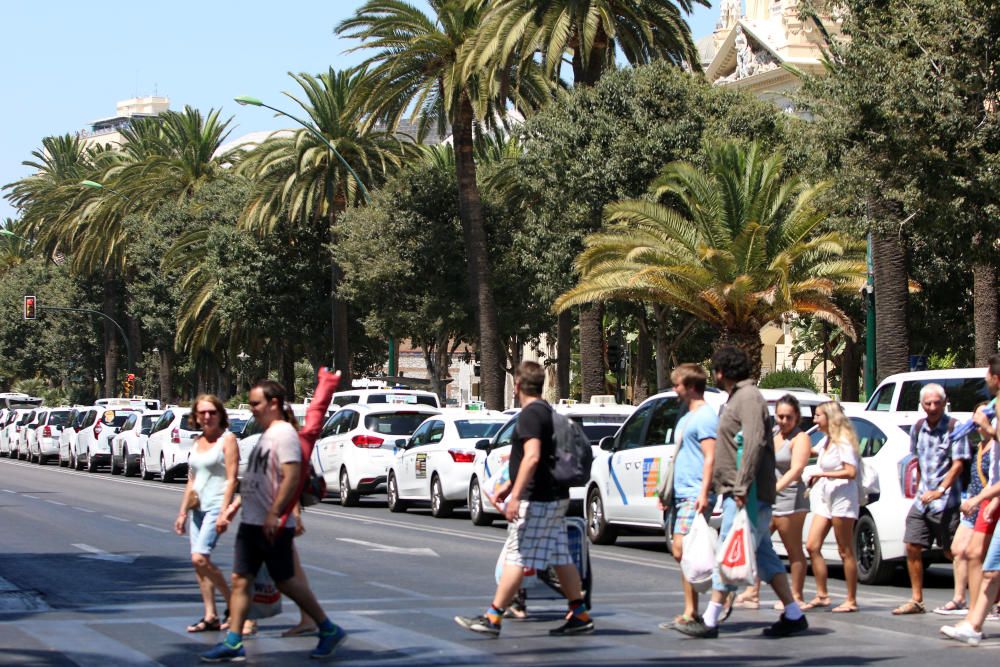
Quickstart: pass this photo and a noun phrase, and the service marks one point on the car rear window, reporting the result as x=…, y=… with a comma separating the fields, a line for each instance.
x=964, y=394
x=597, y=431
x=391, y=397
x=395, y=423
x=115, y=417
x=149, y=420
x=59, y=418
x=478, y=428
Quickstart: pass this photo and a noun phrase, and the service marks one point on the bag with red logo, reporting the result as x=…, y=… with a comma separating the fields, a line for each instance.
x=265, y=600
x=737, y=556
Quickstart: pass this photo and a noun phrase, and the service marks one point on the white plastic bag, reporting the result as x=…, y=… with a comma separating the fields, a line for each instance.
x=737, y=557
x=868, y=484
x=698, y=559
x=265, y=601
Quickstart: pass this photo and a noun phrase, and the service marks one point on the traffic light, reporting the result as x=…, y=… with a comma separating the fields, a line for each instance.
x=30, y=306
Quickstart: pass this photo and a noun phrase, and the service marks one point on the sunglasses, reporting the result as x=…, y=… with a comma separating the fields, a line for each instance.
x=207, y=413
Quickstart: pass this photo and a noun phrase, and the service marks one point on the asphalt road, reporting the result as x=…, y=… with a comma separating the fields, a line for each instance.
x=91, y=574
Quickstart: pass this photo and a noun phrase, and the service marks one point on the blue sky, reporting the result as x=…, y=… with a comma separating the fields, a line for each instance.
x=68, y=63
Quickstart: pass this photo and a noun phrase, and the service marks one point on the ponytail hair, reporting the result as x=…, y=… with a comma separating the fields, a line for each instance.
x=272, y=389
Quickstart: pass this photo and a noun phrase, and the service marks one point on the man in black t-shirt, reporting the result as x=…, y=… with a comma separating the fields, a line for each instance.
x=535, y=511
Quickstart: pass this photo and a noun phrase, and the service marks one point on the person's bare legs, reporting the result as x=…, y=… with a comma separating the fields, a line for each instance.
x=960, y=564
x=569, y=582
x=210, y=579
x=690, y=595
x=306, y=624
x=239, y=600
x=984, y=600
x=974, y=553
x=298, y=590
x=510, y=582
x=790, y=530
x=915, y=568
x=818, y=531
x=843, y=530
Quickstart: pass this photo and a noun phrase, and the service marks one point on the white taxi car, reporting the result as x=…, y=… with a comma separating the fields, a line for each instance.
x=93, y=443
x=168, y=446
x=44, y=446
x=435, y=464
x=128, y=444
x=355, y=447
x=626, y=475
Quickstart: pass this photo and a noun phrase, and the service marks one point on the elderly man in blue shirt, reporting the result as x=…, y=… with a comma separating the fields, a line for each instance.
x=934, y=515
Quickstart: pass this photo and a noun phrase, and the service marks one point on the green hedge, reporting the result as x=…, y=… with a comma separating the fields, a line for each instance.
x=788, y=377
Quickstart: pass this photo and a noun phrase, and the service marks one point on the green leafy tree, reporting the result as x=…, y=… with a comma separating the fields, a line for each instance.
x=735, y=245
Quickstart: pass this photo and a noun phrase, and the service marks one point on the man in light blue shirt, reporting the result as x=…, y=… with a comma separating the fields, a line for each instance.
x=692, y=478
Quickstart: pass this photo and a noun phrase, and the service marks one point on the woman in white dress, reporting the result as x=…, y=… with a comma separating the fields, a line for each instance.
x=834, y=502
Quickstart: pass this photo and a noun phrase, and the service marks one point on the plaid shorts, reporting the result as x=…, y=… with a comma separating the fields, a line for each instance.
x=681, y=516
x=538, y=538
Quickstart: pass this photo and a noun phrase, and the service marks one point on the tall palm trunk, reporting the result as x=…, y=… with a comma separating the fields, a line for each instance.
x=166, y=369
x=850, y=370
x=286, y=368
x=564, y=339
x=644, y=353
x=109, y=306
x=492, y=373
x=592, y=350
x=984, y=308
x=892, y=338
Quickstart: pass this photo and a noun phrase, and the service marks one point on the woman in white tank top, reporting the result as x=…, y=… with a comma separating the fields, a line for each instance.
x=212, y=469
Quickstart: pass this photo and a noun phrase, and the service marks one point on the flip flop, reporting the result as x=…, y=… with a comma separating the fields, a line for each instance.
x=204, y=625
x=816, y=603
x=300, y=631
x=909, y=607
x=844, y=608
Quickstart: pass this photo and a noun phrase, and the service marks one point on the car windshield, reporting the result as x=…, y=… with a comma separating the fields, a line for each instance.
x=59, y=418
x=395, y=423
x=584, y=420
x=478, y=428
x=597, y=431
x=25, y=418
x=236, y=424
x=964, y=394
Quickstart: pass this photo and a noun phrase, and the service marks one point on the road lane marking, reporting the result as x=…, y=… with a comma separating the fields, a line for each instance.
x=9, y=491
x=116, y=518
x=32, y=497
x=56, y=502
x=406, y=551
x=399, y=589
x=83, y=509
x=94, y=553
x=332, y=573
x=156, y=528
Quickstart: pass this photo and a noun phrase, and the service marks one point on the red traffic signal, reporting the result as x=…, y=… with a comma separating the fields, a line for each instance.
x=30, y=306
x=130, y=377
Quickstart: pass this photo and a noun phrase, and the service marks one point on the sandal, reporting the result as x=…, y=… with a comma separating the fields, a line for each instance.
x=845, y=608
x=952, y=608
x=300, y=631
x=816, y=602
x=727, y=607
x=681, y=619
x=204, y=625
x=909, y=607
x=744, y=601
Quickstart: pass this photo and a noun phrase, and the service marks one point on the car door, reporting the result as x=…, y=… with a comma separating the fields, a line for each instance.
x=408, y=472
x=123, y=433
x=341, y=439
x=631, y=467
x=497, y=458
x=323, y=452
x=154, y=444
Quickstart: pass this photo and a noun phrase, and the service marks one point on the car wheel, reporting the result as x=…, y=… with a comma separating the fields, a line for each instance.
x=440, y=507
x=598, y=529
x=143, y=470
x=40, y=460
x=348, y=498
x=392, y=493
x=128, y=468
x=872, y=569
x=115, y=470
x=476, y=512
x=164, y=477
x=91, y=463
x=62, y=462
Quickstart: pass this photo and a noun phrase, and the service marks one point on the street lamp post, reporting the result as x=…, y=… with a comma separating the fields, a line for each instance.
x=870, y=324
x=246, y=100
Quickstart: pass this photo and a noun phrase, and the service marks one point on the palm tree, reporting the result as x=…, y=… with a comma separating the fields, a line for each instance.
x=419, y=66
x=735, y=245
x=591, y=31
x=297, y=178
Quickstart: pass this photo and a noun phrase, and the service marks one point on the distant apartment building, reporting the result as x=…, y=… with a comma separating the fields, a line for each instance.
x=109, y=130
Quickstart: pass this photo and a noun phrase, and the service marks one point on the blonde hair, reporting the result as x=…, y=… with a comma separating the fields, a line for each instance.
x=838, y=426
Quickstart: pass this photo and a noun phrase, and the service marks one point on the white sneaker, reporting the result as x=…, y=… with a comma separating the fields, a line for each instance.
x=962, y=632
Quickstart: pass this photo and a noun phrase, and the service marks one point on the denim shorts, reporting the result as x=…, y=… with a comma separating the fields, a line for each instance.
x=768, y=563
x=202, y=531
x=992, y=561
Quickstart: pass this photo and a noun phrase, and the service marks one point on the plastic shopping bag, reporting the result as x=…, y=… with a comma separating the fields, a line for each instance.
x=495, y=481
x=265, y=601
x=737, y=557
x=868, y=483
x=698, y=560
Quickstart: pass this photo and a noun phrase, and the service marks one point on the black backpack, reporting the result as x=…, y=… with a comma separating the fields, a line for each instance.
x=573, y=455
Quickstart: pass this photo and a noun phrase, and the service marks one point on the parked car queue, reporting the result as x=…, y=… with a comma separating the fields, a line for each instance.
x=403, y=444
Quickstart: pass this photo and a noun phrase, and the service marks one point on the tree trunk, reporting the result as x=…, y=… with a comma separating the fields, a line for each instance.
x=343, y=346
x=564, y=339
x=109, y=307
x=850, y=371
x=492, y=373
x=640, y=387
x=747, y=340
x=984, y=298
x=166, y=369
x=892, y=338
x=286, y=369
x=663, y=349
x=587, y=71
x=592, y=350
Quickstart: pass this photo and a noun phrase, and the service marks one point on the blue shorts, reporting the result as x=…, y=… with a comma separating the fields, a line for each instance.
x=992, y=561
x=768, y=563
x=202, y=531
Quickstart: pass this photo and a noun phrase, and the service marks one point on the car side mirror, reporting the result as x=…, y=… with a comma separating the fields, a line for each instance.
x=483, y=445
x=401, y=443
x=607, y=443
x=145, y=431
